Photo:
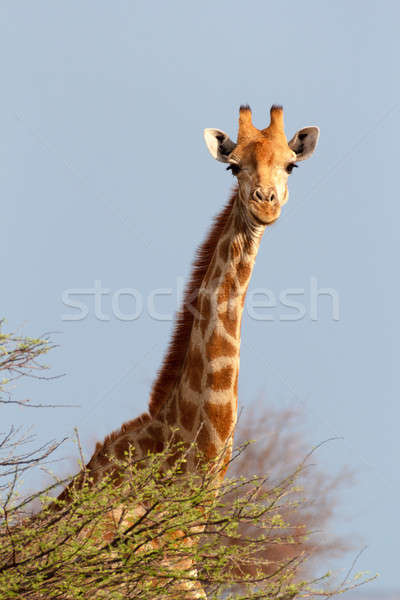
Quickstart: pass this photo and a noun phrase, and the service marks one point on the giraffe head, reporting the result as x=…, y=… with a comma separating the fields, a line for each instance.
x=262, y=160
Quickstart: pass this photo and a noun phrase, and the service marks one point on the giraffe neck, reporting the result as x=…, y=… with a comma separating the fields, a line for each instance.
x=204, y=398
x=198, y=383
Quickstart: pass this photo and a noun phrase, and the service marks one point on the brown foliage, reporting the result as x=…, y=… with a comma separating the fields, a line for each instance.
x=280, y=446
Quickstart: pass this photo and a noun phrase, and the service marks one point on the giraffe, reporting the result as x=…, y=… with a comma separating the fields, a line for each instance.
x=195, y=393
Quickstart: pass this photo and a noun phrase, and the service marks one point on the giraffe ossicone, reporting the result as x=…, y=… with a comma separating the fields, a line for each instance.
x=194, y=397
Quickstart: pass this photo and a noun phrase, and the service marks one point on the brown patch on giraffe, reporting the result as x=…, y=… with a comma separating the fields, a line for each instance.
x=159, y=445
x=205, y=445
x=220, y=380
x=150, y=445
x=228, y=289
x=110, y=529
x=205, y=312
x=155, y=431
x=101, y=459
x=218, y=346
x=187, y=413
x=224, y=249
x=236, y=250
x=221, y=416
x=217, y=273
x=230, y=321
x=121, y=448
x=243, y=272
x=146, y=445
x=195, y=368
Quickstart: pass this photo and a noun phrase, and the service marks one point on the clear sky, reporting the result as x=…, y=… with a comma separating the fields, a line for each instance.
x=104, y=176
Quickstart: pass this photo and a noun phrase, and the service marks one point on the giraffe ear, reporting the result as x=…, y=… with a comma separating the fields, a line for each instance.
x=304, y=142
x=219, y=144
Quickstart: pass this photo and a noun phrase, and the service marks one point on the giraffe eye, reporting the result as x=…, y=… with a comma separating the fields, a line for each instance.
x=290, y=167
x=234, y=168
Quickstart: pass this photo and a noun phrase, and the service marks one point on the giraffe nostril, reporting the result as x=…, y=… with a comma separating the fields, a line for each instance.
x=272, y=197
x=259, y=196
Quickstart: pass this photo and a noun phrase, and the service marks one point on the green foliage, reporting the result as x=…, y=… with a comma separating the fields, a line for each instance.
x=150, y=529
x=20, y=357
x=153, y=533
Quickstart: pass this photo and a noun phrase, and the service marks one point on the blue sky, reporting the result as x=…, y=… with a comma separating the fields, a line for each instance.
x=105, y=177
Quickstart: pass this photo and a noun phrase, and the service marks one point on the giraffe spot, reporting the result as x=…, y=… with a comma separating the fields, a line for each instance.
x=218, y=346
x=230, y=321
x=195, y=368
x=243, y=272
x=155, y=431
x=187, y=413
x=121, y=448
x=206, y=446
x=236, y=250
x=217, y=272
x=150, y=445
x=220, y=380
x=228, y=289
x=109, y=530
x=101, y=459
x=235, y=387
x=221, y=416
x=205, y=312
x=224, y=249
x=159, y=446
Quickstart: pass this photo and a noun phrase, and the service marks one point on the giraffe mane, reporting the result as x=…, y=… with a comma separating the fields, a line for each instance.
x=178, y=346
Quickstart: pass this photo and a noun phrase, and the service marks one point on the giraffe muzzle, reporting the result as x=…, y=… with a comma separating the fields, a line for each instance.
x=261, y=196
